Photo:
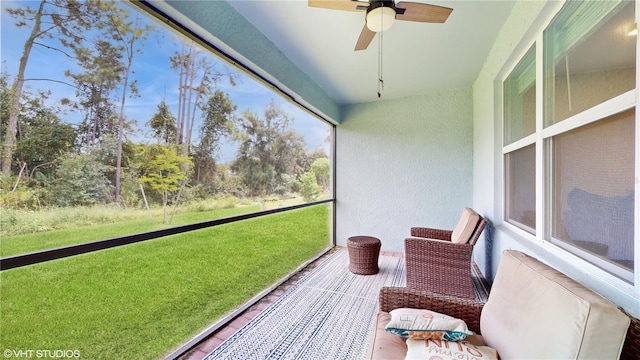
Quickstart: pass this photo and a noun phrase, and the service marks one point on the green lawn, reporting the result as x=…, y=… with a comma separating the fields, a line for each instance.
x=143, y=300
x=20, y=244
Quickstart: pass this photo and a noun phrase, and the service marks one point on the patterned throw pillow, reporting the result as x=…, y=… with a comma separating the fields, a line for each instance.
x=423, y=324
x=447, y=350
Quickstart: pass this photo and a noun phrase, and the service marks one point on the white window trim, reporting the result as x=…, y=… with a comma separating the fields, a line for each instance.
x=637, y=175
x=603, y=110
x=542, y=218
x=518, y=144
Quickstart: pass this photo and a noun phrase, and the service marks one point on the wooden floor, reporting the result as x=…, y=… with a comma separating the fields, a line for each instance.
x=206, y=346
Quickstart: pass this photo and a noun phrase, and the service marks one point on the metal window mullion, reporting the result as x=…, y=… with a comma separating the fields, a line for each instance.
x=15, y=261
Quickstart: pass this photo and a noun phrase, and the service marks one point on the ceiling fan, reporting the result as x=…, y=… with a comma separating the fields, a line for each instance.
x=380, y=15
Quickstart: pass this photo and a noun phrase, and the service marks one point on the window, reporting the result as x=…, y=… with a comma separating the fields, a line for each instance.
x=519, y=122
x=124, y=147
x=116, y=145
x=589, y=57
x=586, y=137
x=521, y=188
x=592, y=195
x=520, y=99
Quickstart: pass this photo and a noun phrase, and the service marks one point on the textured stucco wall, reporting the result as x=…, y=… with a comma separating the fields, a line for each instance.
x=526, y=19
x=401, y=163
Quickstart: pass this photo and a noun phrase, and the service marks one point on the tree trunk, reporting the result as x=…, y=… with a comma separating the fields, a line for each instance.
x=16, y=94
x=165, y=200
x=195, y=106
x=146, y=203
x=175, y=206
x=19, y=175
x=191, y=74
x=182, y=97
x=121, y=122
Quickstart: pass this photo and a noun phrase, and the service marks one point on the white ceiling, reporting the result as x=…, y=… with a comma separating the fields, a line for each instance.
x=417, y=58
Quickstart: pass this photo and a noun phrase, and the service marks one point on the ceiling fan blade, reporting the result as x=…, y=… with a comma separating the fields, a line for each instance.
x=410, y=11
x=365, y=38
x=348, y=5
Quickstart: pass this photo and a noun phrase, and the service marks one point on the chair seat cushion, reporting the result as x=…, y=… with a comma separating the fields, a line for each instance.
x=466, y=225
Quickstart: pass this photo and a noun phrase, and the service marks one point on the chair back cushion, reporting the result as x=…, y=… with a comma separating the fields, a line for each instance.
x=536, y=312
x=466, y=225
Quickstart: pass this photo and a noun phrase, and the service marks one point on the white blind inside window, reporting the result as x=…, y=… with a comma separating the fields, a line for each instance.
x=574, y=23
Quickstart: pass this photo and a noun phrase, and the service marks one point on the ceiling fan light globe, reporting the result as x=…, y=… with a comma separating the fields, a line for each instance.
x=380, y=18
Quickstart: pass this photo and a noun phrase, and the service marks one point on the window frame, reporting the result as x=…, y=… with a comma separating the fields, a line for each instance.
x=522, y=143
x=542, y=141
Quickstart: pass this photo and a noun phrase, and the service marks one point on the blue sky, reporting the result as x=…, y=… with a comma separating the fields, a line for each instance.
x=156, y=80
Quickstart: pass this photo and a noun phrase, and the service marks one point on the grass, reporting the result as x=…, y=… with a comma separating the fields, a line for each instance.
x=24, y=243
x=27, y=231
x=142, y=300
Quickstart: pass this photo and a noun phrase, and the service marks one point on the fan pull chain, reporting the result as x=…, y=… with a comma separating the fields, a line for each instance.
x=380, y=80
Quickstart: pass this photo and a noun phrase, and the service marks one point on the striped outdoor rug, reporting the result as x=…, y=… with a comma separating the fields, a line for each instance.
x=327, y=314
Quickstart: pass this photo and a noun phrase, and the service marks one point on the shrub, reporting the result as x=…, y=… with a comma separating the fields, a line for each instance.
x=80, y=180
x=228, y=202
x=309, y=188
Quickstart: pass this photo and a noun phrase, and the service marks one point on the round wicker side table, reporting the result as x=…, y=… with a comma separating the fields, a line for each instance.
x=363, y=254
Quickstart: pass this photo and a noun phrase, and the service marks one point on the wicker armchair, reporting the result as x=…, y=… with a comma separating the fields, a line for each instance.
x=437, y=264
x=631, y=348
x=470, y=310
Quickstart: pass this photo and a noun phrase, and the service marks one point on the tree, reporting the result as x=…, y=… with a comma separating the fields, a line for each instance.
x=80, y=179
x=103, y=69
x=129, y=33
x=191, y=66
x=217, y=122
x=197, y=75
x=315, y=155
x=229, y=182
x=309, y=188
x=163, y=124
x=70, y=19
x=42, y=137
x=5, y=105
x=320, y=167
x=166, y=173
x=291, y=159
x=5, y=100
x=268, y=150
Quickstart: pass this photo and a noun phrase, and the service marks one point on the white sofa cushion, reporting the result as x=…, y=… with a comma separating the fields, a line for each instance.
x=536, y=312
